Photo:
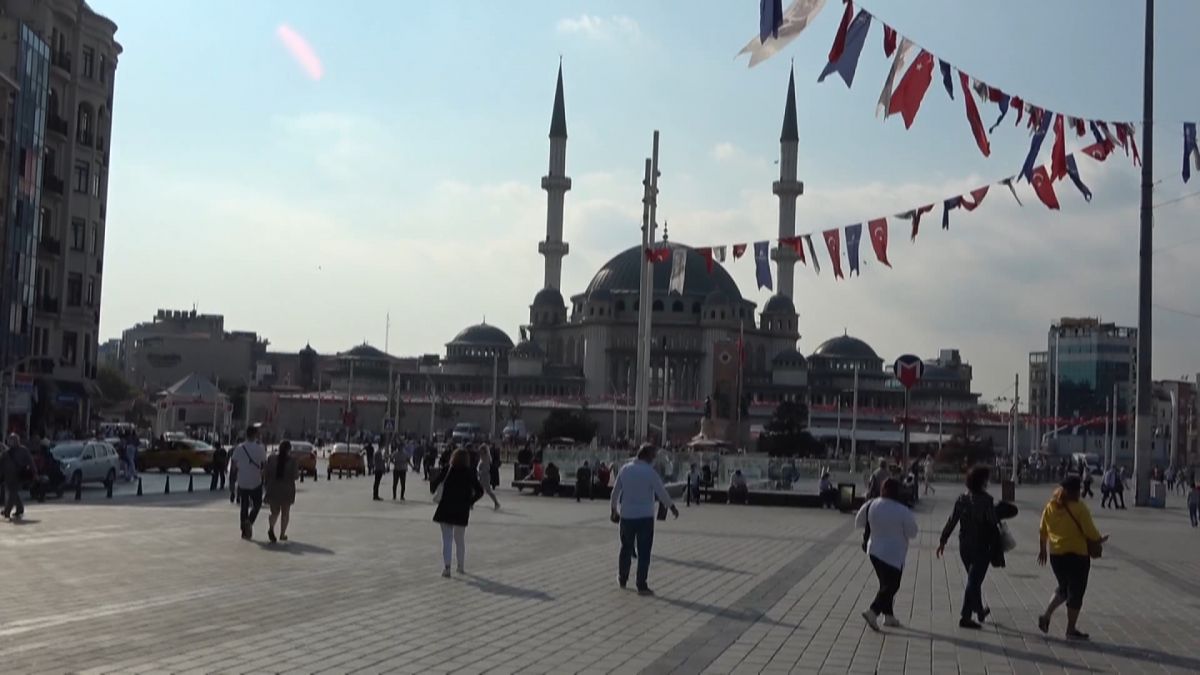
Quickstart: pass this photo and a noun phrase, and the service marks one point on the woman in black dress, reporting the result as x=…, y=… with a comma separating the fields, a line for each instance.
x=455, y=489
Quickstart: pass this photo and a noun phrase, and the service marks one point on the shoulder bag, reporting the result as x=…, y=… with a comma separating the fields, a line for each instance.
x=867, y=530
x=1095, y=548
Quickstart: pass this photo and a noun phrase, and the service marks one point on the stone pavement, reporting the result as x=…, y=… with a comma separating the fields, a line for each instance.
x=164, y=584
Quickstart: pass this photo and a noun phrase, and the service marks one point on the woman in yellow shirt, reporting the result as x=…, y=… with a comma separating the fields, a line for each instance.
x=1067, y=528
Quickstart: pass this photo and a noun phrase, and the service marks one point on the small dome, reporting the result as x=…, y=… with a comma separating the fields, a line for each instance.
x=365, y=351
x=845, y=347
x=527, y=350
x=789, y=357
x=548, y=297
x=779, y=304
x=483, y=335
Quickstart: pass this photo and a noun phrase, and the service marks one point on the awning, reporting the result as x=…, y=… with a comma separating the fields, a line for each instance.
x=69, y=392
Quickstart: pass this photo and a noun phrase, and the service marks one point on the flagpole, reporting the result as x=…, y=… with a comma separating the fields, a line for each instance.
x=649, y=211
x=854, y=423
x=741, y=361
x=1145, y=404
x=318, y=398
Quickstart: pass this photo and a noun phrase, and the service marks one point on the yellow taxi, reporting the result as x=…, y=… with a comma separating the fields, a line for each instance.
x=305, y=455
x=184, y=454
x=346, y=459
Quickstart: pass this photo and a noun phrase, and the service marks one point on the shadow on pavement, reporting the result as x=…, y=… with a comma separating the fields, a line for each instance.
x=24, y=521
x=699, y=565
x=727, y=613
x=294, y=548
x=1003, y=650
x=496, y=588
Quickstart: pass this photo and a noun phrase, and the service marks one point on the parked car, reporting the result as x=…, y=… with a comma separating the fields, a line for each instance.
x=466, y=432
x=87, y=461
x=346, y=459
x=305, y=454
x=184, y=454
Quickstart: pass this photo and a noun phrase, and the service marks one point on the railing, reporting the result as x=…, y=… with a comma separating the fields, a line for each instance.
x=50, y=245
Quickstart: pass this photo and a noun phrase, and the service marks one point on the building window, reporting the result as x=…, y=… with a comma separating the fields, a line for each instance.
x=95, y=239
x=96, y=179
x=74, y=289
x=91, y=292
x=89, y=63
x=70, y=341
x=82, y=176
x=104, y=68
x=677, y=306
x=83, y=124
x=77, y=236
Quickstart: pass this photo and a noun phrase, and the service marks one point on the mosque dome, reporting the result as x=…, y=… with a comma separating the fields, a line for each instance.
x=845, y=347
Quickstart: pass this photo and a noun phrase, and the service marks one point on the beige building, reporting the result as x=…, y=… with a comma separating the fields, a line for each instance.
x=177, y=343
x=75, y=141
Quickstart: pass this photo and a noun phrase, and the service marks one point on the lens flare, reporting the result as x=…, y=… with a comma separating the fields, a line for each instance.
x=300, y=50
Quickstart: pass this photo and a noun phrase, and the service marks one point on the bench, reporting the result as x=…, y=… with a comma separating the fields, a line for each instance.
x=567, y=489
x=760, y=497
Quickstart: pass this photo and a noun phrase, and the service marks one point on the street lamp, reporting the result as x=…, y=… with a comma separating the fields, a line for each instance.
x=11, y=373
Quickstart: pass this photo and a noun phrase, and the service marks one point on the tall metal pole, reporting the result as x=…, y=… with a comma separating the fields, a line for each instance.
x=349, y=402
x=906, y=425
x=649, y=211
x=318, y=399
x=666, y=391
x=837, y=443
x=941, y=418
x=1112, y=441
x=1057, y=379
x=495, y=388
x=1016, y=423
x=1144, y=405
x=854, y=424
x=1108, y=405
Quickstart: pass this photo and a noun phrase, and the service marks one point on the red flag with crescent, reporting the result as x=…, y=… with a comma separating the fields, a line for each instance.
x=878, y=230
x=833, y=242
x=977, y=195
x=1044, y=187
x=707, y=252
x=739, y=250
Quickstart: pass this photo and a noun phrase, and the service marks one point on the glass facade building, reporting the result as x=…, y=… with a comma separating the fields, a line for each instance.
x=1084, y=363
x=22, y=222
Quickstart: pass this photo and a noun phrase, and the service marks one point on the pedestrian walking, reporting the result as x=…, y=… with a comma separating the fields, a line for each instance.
x=888, y=526
x=1069, y=539
x=1108, y=489
x=875, y=482
x=583, y=482
x=974, y=515
x=131, y=450
x=248, y=460
x=16, y=467
x=401, y=457
x=632, y=503
x=281, y=473
x=483, y=471
x=927, y=473
x=494, y=476
x=220, y=461
x=693, y=487
x=379, y=465
x=456, y=488
x=1119, y=488
x=369, y=457
x=1087, y=482
x=1193, y=502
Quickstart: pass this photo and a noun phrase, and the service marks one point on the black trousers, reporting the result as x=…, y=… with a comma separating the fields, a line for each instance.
x=378, y=478
x=399, y=477
x=251, y=501
x=1071, y=571
x=889, y=585
x=217, y=474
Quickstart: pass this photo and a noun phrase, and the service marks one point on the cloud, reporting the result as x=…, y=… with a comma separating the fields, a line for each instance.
x=724, y=150
x=600, y=28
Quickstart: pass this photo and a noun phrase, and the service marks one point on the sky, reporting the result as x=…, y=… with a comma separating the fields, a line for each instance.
x=404, y=181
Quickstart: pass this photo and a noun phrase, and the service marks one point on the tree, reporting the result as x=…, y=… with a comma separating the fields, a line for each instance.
x=113, y=387
x=786, y=433
x=574, y=424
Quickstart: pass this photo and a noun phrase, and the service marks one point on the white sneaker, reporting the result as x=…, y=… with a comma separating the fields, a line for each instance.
x=446, y=573
x=870, y=618
x=891, y=621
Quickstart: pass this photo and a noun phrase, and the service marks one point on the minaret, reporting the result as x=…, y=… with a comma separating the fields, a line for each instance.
x=787, y=188
x=556, y=184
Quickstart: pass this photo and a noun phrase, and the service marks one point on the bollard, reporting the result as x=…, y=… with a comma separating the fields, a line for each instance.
x=189, y=482
x=167, y=487
x=301, y=476
x=78, y=490
x=139, y=486
x=108, y=487
x=315, y=477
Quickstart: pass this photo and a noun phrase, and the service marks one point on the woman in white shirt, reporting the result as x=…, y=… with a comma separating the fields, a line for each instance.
x=890, y=525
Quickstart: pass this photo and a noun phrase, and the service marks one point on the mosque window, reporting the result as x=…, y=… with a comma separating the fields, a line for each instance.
x=657, y=306
x=695, y=308
x=722, y=315
x=677, y=306
x=620, y=305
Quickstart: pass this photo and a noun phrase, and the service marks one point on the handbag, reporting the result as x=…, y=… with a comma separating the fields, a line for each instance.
x=1095, y=549
x=437, y=493
x=1007, y=541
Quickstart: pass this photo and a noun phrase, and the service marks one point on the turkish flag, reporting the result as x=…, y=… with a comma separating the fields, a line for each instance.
x=839, y=40
x=1017, y=103
x=659, y=254
x=977, y=195
x=707, y=252
x=1137, y=159
x=906, y=99
x=1099, y=151
x=794, y=243
x=878, y=230
x=1080, y=129
x=739, y=250
x=981, y=138
x=833, y=242
x=889, y=41
x=1058, y=155
x=1044, y=187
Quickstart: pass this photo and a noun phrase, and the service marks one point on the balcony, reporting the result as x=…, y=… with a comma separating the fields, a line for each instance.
x=47, y=305
x=99, y=142
x=52, y=183
x=49, y=246
x=99, y=266
x=56, y=125
x=62, y=61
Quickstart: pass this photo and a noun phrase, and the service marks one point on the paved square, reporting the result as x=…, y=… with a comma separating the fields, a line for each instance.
x=164, y=584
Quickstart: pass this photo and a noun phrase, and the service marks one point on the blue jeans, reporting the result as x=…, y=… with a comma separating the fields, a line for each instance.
x=973, y=594
x=1194, y=512
x=639, y=531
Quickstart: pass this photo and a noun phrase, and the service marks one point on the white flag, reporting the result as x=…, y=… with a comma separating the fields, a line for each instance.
x=719, y=253
x=678, y=267
x=885, y=96
x=797, y=17
x=812, y=253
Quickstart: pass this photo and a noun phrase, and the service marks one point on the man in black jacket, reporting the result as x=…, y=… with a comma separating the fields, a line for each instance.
x=583, y=482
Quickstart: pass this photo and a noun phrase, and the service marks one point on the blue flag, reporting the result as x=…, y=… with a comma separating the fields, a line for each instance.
x=1189, y=149
x=1004, y=100
x=1096, y=132
x=853, y=235
x=1073, y=172
x=948, y=206
x=1036, y=146
x=762, y=264
x=847, y=63
x=770, y=17
x=947, y=81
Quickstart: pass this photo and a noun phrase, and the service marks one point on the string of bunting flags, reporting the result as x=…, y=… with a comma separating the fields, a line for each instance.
x=905, y=96
x=877, y=228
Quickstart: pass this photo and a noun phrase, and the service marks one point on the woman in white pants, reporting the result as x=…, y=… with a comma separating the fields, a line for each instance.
x=484, y=473
x=455, y=489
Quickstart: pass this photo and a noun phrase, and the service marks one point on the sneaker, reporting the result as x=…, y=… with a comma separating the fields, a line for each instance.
x=283, y=537
x=271, y=536
x=987, y=611
x=871, y=620
x=891, y=621
x=967, y=622
x=446, y=573
x=645, y=591
x=622, y=582
x=1044, y=624
x=1078, y=635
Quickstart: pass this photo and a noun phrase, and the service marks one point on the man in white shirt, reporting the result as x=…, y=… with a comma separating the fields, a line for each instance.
x=633, y=496
x=248, y=460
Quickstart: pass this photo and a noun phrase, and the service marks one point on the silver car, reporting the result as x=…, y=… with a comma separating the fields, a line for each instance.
x=87, y=461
